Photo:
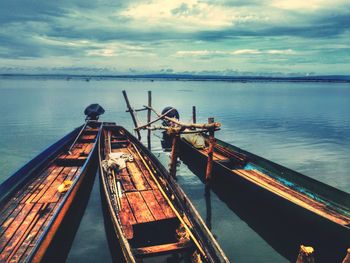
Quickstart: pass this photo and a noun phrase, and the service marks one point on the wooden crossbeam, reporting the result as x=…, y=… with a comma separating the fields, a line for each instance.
x=164, y=248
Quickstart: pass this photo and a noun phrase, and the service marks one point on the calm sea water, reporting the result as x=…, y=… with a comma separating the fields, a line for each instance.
x=304, y=126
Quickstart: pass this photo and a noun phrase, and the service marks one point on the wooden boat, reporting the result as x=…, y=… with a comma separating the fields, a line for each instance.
x=277, y=188
x=35, y=200
x=152, y=217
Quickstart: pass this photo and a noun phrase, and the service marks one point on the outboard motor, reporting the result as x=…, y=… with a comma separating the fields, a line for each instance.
x=171, y=114
x=93, y=112
x=166, y=141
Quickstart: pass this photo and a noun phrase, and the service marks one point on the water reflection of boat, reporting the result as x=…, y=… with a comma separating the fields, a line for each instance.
x=286, y=208
x=150, y=214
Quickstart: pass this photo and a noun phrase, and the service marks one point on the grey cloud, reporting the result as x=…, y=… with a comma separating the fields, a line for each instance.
x=41, y=10
x=39, y=29
x=323, y=27
x=57, y=17
x=237, y=3
x=185, y=10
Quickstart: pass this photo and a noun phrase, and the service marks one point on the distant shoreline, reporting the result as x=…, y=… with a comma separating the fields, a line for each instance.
x=184, y=77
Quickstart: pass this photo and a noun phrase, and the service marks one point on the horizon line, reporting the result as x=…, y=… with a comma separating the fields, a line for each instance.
x=188, y=76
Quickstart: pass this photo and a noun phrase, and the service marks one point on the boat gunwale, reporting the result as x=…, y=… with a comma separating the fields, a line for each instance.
x=299, y=177
x=182, y=203
x=38, y=162
x=124, y=243
x=73, y=188
x=230, y=171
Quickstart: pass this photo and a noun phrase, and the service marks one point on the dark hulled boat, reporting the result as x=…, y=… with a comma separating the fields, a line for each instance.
x=278, y=190
x=36, y=200
x=151, y=216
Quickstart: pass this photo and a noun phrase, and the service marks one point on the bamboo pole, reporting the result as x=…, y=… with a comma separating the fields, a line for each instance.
x=194, y=115
x=145, y=126
x=347, y=257
x=186, y=125
x=76, y=138
x=149, y=119
x=179, y=130
x=132, y=113
x=136, y=110
x=209, y=169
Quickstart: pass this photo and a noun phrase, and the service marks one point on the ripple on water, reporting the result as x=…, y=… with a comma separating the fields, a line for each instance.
x=304, y=126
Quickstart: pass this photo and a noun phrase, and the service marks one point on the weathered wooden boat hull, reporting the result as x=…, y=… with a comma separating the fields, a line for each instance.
x=115, y=247
x=332, y=237
x=214, y=253
x=53, y=240
x=22, y=176
x=59, y=236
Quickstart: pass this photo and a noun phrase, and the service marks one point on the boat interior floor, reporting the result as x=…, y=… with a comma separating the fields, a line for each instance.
x=26, y=214
x=147, y=220
x=237, y=163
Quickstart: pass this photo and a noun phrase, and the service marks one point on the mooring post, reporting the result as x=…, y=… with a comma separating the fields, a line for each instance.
x=209, y=170
x=306, y=255
x=173, y=155
x=208, y=206
x=149, y=119
x=194, y=117
x=132, y=113
x=347, y=257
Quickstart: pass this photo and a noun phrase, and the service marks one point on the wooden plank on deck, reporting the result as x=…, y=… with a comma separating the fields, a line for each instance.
x=15, y=224
x=163, y=248
x=22, y=232
x=146, y=173
x=45, y=184
x=127, y=218
x=10, y=218
x=153, y=205
x=35, y=184
x=88, y=148
x=127, y=183
x=121, y=150
x=75, y=151
x=139, y=207
x=88, y=137
x=125, y=214
x=137, y=176
x=52, y=194
x=164, y=204
x=32, y=237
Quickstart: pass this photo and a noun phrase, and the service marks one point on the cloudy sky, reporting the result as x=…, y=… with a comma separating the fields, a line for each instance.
x=196, y=36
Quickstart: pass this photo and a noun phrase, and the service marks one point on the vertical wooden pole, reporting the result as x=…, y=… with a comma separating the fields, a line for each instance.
x=149, y=119
x=209, y=170
x=208, y=206
x=194, y=117
x=173, y=155
x=347, y=257
x=132, y=113
x=306, y=255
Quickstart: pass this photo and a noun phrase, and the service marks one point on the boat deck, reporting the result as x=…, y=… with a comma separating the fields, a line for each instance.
x=142, y=202
x=28, y=212
x=224, y=156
